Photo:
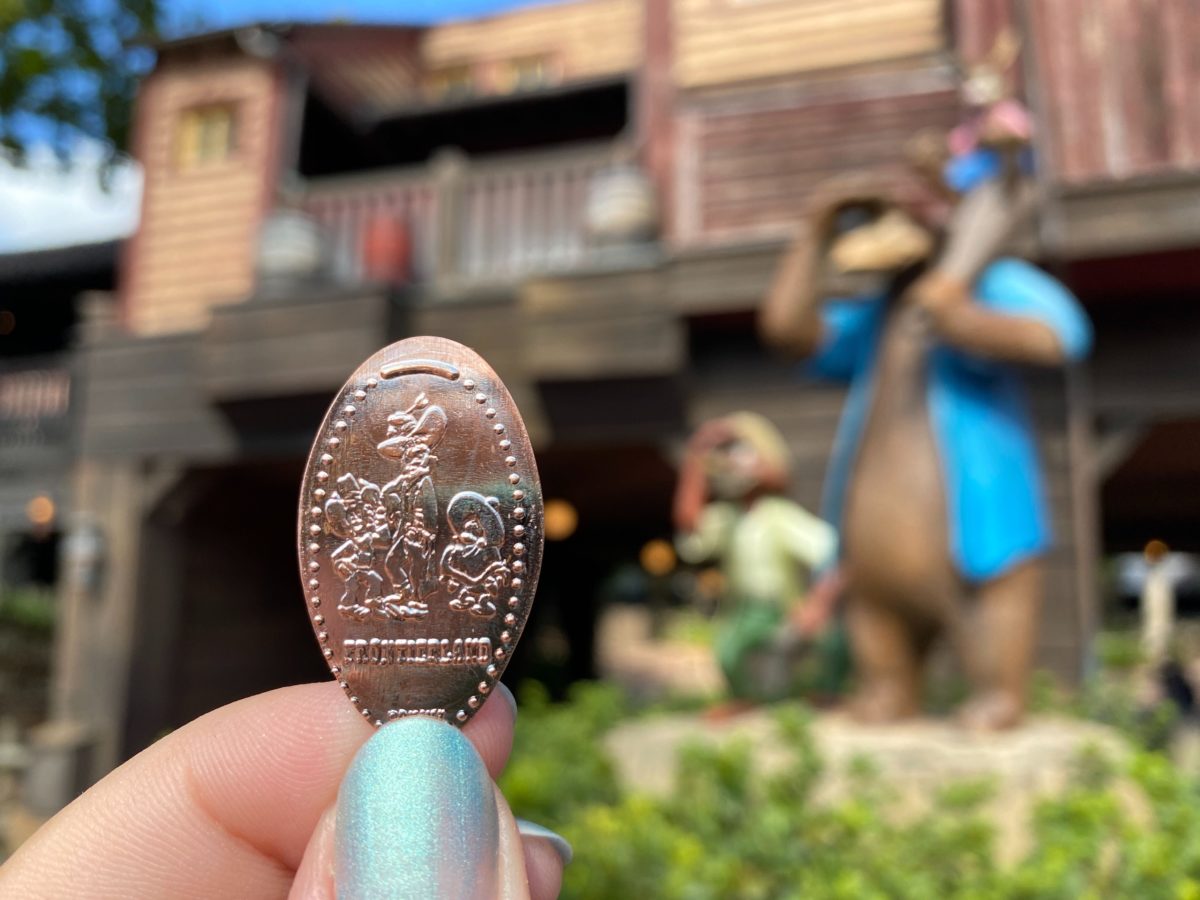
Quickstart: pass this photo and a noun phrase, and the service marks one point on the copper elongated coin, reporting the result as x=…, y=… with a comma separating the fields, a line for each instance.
x=420, y=532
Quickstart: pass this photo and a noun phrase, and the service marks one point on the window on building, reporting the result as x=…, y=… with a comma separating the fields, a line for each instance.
x=526, y=73
x=451, y=83
x=206, y=134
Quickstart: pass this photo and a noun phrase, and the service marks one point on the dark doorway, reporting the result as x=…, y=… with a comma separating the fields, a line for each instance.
x=222, y=615
x=1155, y=492
x=621, y=497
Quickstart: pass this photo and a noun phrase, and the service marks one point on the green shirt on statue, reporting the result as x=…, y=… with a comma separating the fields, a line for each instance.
x=766, y=552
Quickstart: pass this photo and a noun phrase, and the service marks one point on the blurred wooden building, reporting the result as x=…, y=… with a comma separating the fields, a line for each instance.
x=593, y=195
x=38, y=310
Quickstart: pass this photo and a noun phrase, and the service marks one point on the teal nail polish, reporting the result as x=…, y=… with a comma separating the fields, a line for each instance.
x=416, y=817
x=560, y=844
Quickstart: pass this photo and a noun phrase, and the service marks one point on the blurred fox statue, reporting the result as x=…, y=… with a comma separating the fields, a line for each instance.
x=934, y=483
x=730, y=505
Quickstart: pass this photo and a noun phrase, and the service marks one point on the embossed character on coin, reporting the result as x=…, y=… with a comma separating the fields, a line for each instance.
x=386, y=560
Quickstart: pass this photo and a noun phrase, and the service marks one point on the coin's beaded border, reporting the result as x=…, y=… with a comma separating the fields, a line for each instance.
x=314, y=529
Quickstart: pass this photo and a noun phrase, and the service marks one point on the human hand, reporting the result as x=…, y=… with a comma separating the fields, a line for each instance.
x=245, y=802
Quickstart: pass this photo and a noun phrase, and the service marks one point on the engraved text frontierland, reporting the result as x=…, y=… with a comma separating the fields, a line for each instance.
x=416, y=652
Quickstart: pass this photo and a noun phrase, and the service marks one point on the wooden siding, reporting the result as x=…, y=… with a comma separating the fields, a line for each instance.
x=490, y=325
x=1118, y=218
x=723, y=279
x=196, y=244
x=1120, y=83
x=144, y=398
x=977, y=24
x=723, y=41
x=580, y=40
x=294, y=345
x=748, y=161
x=601, y=325
x=167, y=396
x=363, y=70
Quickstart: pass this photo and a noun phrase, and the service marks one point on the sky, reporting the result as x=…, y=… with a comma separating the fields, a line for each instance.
x=182, y=15
x=43, y=205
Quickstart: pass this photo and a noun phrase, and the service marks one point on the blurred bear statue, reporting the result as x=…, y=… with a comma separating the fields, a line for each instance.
x=934, y=484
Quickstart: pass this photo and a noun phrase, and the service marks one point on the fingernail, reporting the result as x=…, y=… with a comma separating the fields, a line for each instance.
x=503, y=691
x=416, y=817
x=561, y=845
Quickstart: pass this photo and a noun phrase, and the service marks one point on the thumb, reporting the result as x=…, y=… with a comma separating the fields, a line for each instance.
x=417, y=815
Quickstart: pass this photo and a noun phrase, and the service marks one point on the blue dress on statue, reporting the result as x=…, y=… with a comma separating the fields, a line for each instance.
x=977, y=408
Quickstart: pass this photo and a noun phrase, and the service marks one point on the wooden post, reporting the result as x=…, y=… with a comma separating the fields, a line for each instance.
x=1081, y=443
x=1085, y=502
x=977, y=24
x=95, y=632
x=656, y=105
x=98, y=596
x=449, y=177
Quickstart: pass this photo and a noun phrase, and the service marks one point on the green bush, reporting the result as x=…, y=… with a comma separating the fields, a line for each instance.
x=727, y=831
x=1112, y=701
x=28, y=609
x=558, y=765
x=1109, y=698
x=1119, y=651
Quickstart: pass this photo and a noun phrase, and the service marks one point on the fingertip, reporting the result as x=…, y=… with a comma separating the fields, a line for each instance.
x=531, y=831
x=543, y=867
x=314, y=878
x=417, y=816
x=503, y=691
x=491, y=730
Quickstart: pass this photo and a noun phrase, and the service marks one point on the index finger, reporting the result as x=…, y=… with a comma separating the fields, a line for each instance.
x=223, y=807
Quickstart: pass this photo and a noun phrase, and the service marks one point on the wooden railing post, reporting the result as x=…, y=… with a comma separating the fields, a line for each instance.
x=449, y=169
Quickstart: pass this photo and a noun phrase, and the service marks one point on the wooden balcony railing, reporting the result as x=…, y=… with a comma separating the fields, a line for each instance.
x=34, y=403
x=490, y=221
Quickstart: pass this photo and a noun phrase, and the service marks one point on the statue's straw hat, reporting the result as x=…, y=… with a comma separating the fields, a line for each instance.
x=761, y=434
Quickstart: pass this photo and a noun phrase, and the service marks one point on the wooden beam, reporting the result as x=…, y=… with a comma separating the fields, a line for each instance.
x=656, y=104
x=1130, y=216
x=1085, y=503
x=293, y=345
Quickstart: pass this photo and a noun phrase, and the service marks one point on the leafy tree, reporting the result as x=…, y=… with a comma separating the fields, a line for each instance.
x=69, y=69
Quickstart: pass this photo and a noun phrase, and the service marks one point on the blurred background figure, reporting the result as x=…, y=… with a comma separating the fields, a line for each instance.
x=731, y=506
x=1160, y=574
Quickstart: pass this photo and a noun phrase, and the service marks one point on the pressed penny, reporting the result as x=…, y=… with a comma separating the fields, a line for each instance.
x=420, y=532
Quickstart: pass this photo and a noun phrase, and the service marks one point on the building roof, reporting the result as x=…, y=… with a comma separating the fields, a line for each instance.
x=362, y=70
x=357, y=69
x=246, y=35
x=58, y=263
x=369, y=72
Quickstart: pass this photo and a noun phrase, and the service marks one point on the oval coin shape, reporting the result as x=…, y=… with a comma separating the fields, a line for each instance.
x=420, y=532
